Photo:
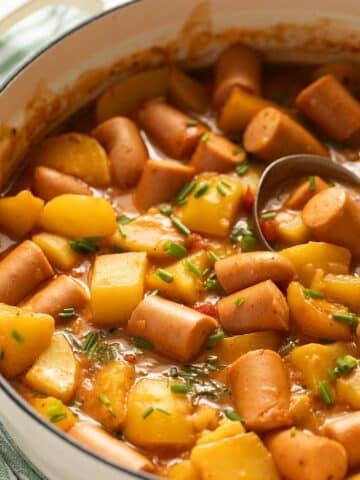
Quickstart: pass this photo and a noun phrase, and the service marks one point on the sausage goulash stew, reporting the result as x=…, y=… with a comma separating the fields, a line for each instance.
x=138, y=311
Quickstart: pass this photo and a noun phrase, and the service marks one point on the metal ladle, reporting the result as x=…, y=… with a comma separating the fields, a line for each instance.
x=293, y=167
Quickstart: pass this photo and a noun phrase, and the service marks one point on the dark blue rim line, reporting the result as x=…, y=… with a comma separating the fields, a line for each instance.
x=4, y=385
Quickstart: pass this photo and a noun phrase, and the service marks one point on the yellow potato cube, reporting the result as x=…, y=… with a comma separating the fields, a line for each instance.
x=348, y=389
x=187, y=93
x=205, y=417
x=157, y=417
x=252, y=177
x=79, y=216
x=315, y=360
x=57, y=250
x=343, y=289
x=19, y=214
x=23, y=337
x=147, y=233
x=117, y=286
x=241, y=456
x=55, y=372
x=213, y=212
x=106, y=400
x=291, y=229
x=226, y=429
x=313, y=255
x=187, y=282
x=54, y=411
x=183, y=470
x=127, y=94
x=75, y=154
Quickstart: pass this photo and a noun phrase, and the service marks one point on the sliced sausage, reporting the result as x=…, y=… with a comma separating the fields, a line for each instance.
x=302, y=194
x=272, y=134
x=173, y=131
x=61, y=293
x=301, y=455
x=126, y=149
x=261, y=391
x=239, y=66
x=332, y=108
x=259, y=307
x=49, y=183
x=217, y=154
x=346, y=430
x=21, y=271
x=160, y=182
x=347, y=73
x=334, y=216
x=245, y=269
x=175, y=330
x=102, y=443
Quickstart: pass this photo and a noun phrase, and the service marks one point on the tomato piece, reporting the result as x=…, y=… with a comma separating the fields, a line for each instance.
x=196, y=242
x=248, y=199
x=269, y=230
x=206, y=308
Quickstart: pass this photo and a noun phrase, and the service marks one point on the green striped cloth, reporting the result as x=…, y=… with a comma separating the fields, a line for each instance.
x=21, y=42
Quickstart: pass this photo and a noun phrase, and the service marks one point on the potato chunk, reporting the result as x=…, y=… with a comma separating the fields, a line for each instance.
x=19, y=214
x=157, y=417
x=222, y=199
x=54, y=411
x=187, y=281
x=79, y=216
x=348, y=389
x=55, y=372
x=183, y=470
x=106, y=400
x=75, y=154
x=187, y=93
x=226, y=429
x=343, y=289
x=117, y=286
x=313, y=255
x=23, y=337
x=291, y=229
x=240, y=456
x=57, y=250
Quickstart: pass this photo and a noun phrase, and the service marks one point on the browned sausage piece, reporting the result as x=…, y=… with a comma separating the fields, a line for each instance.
x=49, y=183
x=126, y=149
x=302, y=194
x=260, y=386
x=334, y=216
x=332, y=108
x=63, y=292
x=160, y=182
x=217, y=154
x=21, y=271
x=173, y=131
x=347, y=73
x=238, y=66
x=303, y=456
x=346, y=430
x=245, y=269
x=102, y=443
x=272, y=134
x=257, y=308
x=175, y=330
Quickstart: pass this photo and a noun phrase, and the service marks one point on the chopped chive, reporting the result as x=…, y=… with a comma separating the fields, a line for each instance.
x=185, y=191
x=268, y=215
x=55, y=411
x=192, y=267
x=215, y=338
x=67, y=313
x=242, y=169
x=201, y=189
x=165, y=209
x=142, y=343
x=104, y=400
x=212, y=284
x=232, y=415
x=17, y=336
x=238, y=151
x=147, y=412
x=180, y=226
x=123, y=220
x=220, y=190
x=226, y=184
x=239, y=301
x=2, y=354
x=248, y=242
x=310, y=293
x=164, y=275
x=344, y=366
x=86, y=244
x=312, y=185
x=205, y=137
x=179, y=388
x=165, y=412
x=213, y=257
x=152, y=293
x=192, y=123
x=292, y=432
x=174, y=249
x=325, y=392
x=57, y=417
x=347, y=318
x=89, y=342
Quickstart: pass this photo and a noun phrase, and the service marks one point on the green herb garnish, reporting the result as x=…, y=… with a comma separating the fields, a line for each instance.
x=164, y=275
x=347, y=318
x=205, y=137
x=221, y=190
x=201, y=189
x=180, y=388
x=215, y=338
x=17, y=336
x=147, y=412
x=233, y=415
x=213, y=257
x=55, y=411
x=325, y=392
x=242, y=169
x=180, y=226
x=192, y=123
x=86, y=244
x=268, y=215
x=239, y=301
x=192, y=267
x=174, y=249
x=67, y=313
x=142, y=343
x=310, y=293
x=165, y=209
x=312, y=185
x=248, y=243
x=344, y=366
x=185, y=192
x=96, y=349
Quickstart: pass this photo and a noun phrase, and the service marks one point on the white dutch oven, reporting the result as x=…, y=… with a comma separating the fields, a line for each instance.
x=75, y=68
